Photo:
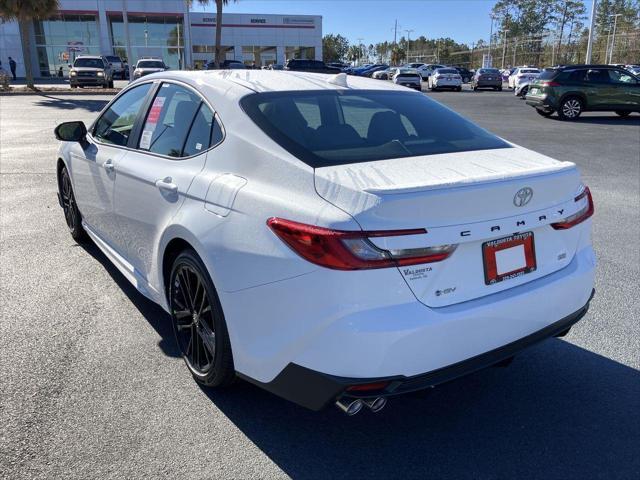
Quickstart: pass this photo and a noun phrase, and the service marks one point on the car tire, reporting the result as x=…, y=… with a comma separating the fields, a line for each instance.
x=570, y=108
x=544, y=113
x=198, y=322
x=111, y=84
x=475, y=88
x=70, y=208
x=74, y=86
x=459, y=89
x=623, y=113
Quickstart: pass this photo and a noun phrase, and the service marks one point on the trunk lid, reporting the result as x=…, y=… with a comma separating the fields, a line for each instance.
x=465, y=198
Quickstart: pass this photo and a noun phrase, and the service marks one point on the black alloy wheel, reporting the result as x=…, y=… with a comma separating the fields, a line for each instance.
x=198, y=322
x=70, y=208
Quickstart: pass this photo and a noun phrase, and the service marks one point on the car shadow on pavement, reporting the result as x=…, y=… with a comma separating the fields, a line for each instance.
x=608, y=120
x=559, y=411
x=71, y=104
x=153, y=313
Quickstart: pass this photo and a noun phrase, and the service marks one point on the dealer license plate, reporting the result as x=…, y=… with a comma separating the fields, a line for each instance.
x=508, y=257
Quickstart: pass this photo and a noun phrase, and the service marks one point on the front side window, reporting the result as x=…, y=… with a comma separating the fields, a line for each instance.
x=325, y=128
x=618, y=76
x=115, y=125
x=178, y=123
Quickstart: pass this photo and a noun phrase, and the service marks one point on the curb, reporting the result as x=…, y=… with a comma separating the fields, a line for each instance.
x=62, y=92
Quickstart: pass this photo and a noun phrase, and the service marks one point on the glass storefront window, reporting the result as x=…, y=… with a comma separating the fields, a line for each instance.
x=63, y=37
x=160, y=36
x=258, y=56
x=304, y=53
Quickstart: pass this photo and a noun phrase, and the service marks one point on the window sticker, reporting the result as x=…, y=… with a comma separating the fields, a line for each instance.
x=156, y=108
x=198, y=146
x=145, y=139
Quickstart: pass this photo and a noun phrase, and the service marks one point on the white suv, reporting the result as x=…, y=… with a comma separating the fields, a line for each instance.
x=331, y=239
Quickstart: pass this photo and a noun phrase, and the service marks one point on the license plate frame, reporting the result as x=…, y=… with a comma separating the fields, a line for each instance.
x=489, y=262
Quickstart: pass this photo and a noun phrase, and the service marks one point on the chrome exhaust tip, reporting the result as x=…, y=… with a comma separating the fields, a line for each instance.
x=376, y=404
x=350, y=407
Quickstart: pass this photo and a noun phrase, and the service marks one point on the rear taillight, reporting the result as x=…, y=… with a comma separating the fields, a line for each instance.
x=549, y=84
x=351, y=250
x=581, y=215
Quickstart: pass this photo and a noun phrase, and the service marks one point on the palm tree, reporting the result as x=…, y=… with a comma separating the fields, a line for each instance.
x=25, y=12
x=219, y=5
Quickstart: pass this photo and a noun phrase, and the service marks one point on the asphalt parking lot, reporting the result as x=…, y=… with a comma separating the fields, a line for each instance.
x=91, y=384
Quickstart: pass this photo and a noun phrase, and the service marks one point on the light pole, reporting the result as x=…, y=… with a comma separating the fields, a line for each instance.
x=408, y=44
x=493, y=17
x=504, y=47
x=592, y=24
x=360, y=39
x=613, y=39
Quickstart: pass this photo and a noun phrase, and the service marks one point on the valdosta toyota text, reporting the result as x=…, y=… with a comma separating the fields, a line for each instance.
x=331, y=240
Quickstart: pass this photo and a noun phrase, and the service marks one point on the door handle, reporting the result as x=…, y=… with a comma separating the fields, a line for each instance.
x=166, y=185
x=109, y=166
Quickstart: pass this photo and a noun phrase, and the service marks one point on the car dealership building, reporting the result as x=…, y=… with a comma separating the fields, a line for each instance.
x=164, y=29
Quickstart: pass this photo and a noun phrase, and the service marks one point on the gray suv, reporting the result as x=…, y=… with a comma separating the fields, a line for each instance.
x=91, y=70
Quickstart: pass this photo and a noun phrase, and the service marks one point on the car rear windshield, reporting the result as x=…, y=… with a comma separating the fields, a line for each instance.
x=529, y=70
x=88, y=63
x=494, y=71
x=325, y=128
x=447, y=71
x=548, y=74
x=150, y=64
x=114, y=59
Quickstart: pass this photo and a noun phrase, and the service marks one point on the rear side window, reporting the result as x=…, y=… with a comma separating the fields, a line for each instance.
x=330, y=127
x=548, y=74
x=618, y=76
x=178, y=123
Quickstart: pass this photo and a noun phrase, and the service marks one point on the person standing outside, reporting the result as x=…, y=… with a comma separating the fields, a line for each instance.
x=12, y=66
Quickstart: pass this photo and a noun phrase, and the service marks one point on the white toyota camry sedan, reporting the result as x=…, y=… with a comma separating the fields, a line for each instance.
x=330, y=239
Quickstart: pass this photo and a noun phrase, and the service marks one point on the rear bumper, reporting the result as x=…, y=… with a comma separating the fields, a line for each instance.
x=309, y=349
x=315, y=390
x=489, y=83
x=541, y=103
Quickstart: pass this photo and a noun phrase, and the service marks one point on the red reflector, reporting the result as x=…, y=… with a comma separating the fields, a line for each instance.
x=352, y=250
x=366, y=387
x=581, y=215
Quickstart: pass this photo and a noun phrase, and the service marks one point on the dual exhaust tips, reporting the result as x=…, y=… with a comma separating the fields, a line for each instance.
x=352, y=406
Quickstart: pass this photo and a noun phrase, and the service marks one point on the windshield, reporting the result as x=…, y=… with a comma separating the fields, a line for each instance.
x=88, y=63
x=325, y=128
x=150, y=64
x=489, y=70
x=529, y=70
x=114, y=59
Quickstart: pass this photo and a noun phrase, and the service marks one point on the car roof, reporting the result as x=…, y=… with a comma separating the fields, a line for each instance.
x=272, y=81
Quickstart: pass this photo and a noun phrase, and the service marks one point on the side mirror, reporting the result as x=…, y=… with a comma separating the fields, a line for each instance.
x=71, y=132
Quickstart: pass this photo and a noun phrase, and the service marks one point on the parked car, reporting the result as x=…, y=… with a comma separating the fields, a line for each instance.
x=574, y=89
x=384, y=74
x=465, y=74
x=227, y=65
x=445, y=78
x=635, y=69
x=449, y=265
x=522, y=74
x=407, y=77
x=522, y=89
x=427, y=69
x=315, y=66
x=91, y=71
x=276, y=66
x=372, y=70
x=487, y=78
x=119, y=67
x=146, y=66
